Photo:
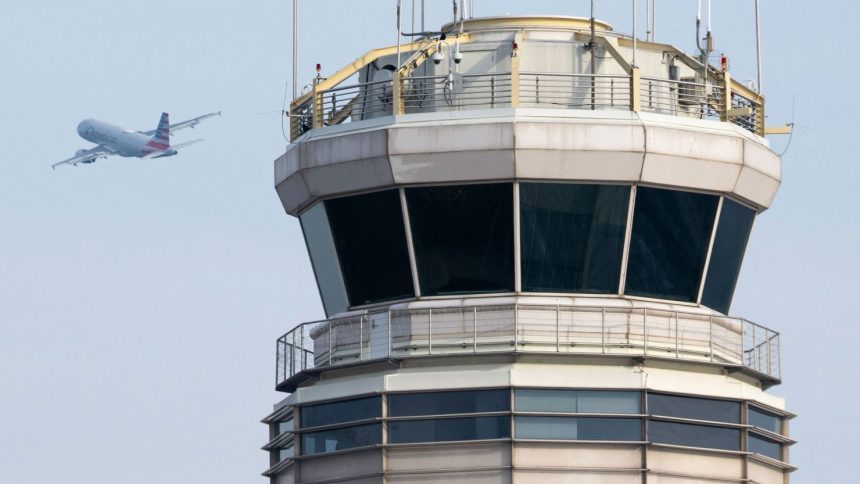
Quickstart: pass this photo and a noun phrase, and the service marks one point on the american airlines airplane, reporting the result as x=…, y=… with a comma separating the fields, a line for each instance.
x=114, y=140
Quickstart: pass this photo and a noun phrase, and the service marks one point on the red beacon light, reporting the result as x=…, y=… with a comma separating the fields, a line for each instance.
x=724, y=63
x=515, y=49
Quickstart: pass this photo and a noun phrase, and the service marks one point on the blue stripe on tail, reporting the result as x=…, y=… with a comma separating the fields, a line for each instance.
x=162, y=133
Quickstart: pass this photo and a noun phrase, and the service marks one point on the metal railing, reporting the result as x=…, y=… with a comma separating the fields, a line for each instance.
x=682, y=98
x=574, y=91
x=427, y=94
x=405, y=333
x=455, y=92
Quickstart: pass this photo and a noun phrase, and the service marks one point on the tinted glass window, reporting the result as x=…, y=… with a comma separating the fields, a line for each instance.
x=765, y=420
x=463, y=238
x=694, y=408
x=694, y=435
x=730, y=244
x=578, y=401
x=671, y=234
x=572, y=236
x=442, y=403
x=449, y=429
x=371, y=246
x=286, y=426
x=340, y=412
x=340, y=439
x=324, y=259
x=767, y=447
x=568, y=428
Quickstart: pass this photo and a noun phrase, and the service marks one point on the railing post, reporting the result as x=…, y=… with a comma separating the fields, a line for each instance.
x=515, y=70
x=603, y=330
x=635, y=90
x=397, y=94
x=492, y=91
x=361, y=337
x=389, y=333
x=727, y=97
x=430, y=331
x=293, y=355
x=516, y=326
x=557, y=329
x=330, y=342
x=304, y=353
x=318, y=107
x=769, y=343
x=645, y=331
x=711, y=337
x=475, y=328
x=677, y=343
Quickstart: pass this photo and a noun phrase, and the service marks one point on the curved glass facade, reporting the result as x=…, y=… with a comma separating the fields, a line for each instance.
x=530, y=414
x=370, y=238
x=572, y=236
x=461, y=239
x=671, y=232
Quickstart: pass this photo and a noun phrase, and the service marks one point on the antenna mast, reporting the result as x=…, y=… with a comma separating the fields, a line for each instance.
x=295, y=48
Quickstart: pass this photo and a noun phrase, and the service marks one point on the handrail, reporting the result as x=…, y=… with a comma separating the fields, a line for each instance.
x=722, y=96
x=528, y=328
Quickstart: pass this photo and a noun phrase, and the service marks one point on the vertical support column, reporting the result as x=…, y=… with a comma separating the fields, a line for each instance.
x=515, y=69
x=635, y=89
x=389, y=333
x=518, y=276
x=397, y=94
x=727, y=97
x=318, y=107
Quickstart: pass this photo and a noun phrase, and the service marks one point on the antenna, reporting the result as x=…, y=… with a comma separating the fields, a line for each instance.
x=633, y=63
x=758, y=44
x=295, y=48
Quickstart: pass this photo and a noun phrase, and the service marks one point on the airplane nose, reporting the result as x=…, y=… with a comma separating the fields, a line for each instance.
x=82, y=127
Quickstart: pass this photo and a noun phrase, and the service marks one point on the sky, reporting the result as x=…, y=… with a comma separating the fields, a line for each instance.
x=140, y=300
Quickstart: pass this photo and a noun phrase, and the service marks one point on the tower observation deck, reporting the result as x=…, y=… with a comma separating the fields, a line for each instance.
x=526, y=233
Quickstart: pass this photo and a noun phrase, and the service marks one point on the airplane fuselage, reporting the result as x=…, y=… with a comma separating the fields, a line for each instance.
x=124, y=142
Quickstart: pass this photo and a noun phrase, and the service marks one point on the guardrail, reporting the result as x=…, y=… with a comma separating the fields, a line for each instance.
x=426, y=94
x=516, y=328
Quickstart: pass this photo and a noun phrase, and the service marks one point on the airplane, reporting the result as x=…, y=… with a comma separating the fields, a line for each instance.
x=114, y=140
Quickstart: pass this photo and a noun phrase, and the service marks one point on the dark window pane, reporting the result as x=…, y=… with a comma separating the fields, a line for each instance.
x=321, y=249
x=340, y=412
x=765, y=420
x=733, y=232
x=572, y=236
x=570, y=428
x=463, y=238
x=694, y=408
x=578, y=401
x=671, y=234
x=442, y=403
x=694, y=435
x=371, y=245
x=449, y=429
x=340, y=439
x=763, y=446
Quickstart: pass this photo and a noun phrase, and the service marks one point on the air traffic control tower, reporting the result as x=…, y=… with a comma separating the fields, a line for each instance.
x=526, y=233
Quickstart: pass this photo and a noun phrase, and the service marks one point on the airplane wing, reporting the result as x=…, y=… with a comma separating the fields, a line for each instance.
x=185, y=124
x=86, y=156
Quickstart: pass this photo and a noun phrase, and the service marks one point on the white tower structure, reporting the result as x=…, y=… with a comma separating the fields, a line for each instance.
x=526, y=235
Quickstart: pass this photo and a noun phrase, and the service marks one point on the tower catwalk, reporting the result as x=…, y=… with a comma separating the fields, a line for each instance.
x=526, y=235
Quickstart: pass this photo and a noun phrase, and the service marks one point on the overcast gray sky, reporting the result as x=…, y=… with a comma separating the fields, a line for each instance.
x=140, y=300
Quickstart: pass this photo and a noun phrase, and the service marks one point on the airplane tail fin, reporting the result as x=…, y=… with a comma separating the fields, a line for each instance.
x=161, y=138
